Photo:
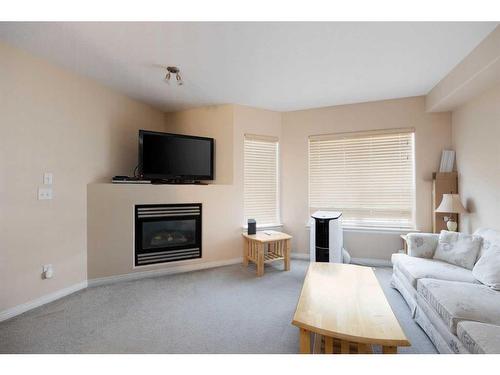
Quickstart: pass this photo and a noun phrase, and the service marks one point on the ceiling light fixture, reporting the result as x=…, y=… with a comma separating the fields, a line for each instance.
x=171, y=71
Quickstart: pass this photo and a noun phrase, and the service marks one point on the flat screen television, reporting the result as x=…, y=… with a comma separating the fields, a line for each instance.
x=175, y=157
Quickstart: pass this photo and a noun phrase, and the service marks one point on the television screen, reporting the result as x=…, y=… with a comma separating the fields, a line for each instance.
x=175, y=156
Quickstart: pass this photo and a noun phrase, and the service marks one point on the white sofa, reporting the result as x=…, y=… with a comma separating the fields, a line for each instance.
x=457, y=311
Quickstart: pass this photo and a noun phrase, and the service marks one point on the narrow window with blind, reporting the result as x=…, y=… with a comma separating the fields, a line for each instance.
x=369, y=176
x=261, y=180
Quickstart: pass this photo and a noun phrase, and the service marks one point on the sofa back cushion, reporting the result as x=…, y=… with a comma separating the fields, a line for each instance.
x=487, y=268
x=458, y=248
x=490, y=237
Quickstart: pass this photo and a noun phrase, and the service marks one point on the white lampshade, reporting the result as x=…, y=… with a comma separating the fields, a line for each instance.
x=451, y=205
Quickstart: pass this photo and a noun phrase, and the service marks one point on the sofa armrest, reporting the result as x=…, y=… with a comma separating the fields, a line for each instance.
x=422, y=245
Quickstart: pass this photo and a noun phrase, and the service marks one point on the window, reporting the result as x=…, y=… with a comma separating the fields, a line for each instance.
x=368, y=176
x=261, y=183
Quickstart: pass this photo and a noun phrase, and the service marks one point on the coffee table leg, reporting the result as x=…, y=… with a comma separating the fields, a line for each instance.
x=305, y=341
x=344, y=347
x=364, y=349
x=328, y=345
x=389, y=349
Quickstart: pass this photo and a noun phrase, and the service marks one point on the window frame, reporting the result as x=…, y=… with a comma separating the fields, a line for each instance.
x=361, y=134
x=271, y=139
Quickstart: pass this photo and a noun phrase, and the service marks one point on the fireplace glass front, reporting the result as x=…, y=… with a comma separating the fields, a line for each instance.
x=166, y=233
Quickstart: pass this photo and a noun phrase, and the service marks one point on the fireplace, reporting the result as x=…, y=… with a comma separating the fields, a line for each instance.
x=167, y=233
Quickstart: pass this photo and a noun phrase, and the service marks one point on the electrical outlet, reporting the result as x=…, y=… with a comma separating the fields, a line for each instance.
x=44, y=193
x=48, y=178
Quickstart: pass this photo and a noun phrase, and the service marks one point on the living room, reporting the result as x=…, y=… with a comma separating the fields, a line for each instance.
x=250, y=187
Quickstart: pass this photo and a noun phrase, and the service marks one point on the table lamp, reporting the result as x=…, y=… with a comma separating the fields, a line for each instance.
x=451, y=205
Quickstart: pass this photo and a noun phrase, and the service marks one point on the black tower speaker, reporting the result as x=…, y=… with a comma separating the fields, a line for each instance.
x=252, y=226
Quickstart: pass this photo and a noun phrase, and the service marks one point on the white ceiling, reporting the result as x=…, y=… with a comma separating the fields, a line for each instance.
x=279, y=66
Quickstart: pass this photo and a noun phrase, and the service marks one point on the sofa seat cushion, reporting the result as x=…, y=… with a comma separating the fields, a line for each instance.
x=414, y=269
x=479, y=338
x=457, y=301
x=434, y=327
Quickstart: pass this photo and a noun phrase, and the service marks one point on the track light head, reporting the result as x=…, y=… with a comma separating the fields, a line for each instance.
x=173, y=70
x=179, y=79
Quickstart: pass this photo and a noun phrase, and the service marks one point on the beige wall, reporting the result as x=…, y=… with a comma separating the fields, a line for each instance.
x=52, y=120
x=110, y=207
x=432, y=135
x=476, y=135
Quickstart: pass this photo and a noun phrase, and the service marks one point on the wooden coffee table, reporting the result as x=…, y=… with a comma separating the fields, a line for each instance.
x=278, y=248
x=343, y=309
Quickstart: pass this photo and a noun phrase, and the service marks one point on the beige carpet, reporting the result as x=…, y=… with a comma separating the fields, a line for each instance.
x=221, y=310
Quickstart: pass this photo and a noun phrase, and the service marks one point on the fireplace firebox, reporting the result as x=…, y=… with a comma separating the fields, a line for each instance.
x=167, y=233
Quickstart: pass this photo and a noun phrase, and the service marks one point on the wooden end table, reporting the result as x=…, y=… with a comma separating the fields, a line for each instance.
x=278, y=248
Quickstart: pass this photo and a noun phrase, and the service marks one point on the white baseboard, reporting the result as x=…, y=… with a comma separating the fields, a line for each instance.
x=19, y=309
x=165, y=271
x=302, y=256
x=371, y=262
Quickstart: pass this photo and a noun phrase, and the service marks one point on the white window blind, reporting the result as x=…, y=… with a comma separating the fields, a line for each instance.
x=368, y=176
x=261, y=175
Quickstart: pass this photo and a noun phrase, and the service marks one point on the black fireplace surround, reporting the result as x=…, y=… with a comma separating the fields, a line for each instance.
x=167, y=233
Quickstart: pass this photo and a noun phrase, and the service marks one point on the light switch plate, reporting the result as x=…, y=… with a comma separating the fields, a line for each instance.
x=48, y=178
x=47, y=271
x=44, y=193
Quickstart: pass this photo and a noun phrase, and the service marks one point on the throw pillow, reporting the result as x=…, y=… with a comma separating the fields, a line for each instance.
x=458, y=248
x=487, y=268
x=422, y=245
x=490, y=237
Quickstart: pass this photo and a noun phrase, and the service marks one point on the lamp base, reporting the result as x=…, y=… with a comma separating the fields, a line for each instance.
x=452, y=225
